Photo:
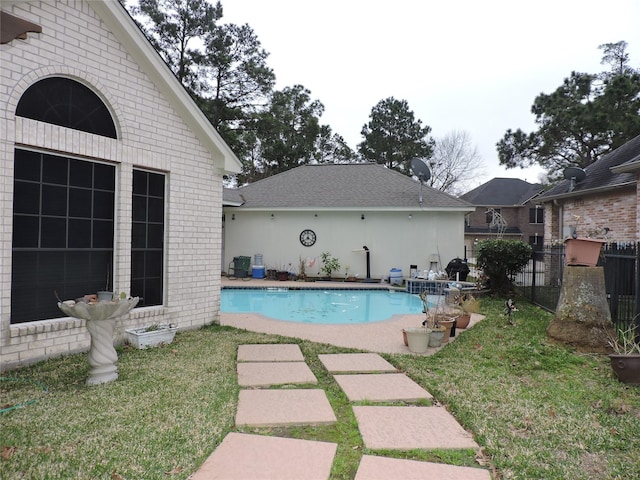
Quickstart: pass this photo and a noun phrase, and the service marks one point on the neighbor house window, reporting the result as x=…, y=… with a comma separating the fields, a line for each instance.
x=63, y=218
x=536, y=215
x=147, y=237
x=490, y=214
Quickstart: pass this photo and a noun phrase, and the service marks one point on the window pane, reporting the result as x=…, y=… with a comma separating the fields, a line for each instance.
x=54, y=200
x=103, y=204
x=79, y=233
x=53, y=232
x=156, y=209
x=156, y=236
x=140, y=182
x=25, y=231
x=54, y=169
x=80, y=173
x=102, y=234
x=26, y=198
x=104, y=177
x=156, y=185
x=80, y=202
x=139, y=235
x=139, y=208
x=27, y=165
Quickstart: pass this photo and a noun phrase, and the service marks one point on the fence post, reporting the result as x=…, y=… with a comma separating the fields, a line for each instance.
x=533, y=277
x=636, y=291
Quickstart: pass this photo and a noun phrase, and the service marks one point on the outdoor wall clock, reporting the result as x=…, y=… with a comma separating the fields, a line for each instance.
x=307, y=238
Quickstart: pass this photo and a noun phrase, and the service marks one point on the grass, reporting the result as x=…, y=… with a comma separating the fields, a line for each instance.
x=539, y=410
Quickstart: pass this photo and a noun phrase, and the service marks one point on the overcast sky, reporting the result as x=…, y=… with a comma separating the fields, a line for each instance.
x=467, y=65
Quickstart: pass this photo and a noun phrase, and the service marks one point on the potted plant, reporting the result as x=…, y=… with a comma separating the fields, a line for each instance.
x=625, y=361
x=329, y=264
x=583, y=251
x=468, y=305
x=151, y=335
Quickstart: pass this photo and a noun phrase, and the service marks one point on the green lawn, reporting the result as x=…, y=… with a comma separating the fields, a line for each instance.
x=538, y=410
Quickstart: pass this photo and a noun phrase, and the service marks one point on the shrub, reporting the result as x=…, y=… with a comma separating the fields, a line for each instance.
x=500, y=260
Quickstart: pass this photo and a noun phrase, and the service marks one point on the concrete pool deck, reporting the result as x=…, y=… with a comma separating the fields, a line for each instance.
x=381, y=337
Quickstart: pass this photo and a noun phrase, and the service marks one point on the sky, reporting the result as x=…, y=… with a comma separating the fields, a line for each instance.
x=466, y=65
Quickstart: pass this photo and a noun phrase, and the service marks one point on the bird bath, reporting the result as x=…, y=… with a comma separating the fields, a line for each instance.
x=100, y=317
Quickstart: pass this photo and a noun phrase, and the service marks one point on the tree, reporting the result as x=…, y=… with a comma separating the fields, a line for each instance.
x=175, y=27
x=586, y=117
x=285, y=134
x=393, y=136
x=455, y=162
x=235, y=81
x=332, y=148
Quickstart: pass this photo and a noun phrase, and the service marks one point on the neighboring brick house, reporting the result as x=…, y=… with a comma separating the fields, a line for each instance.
x=515, y=202
x=602, y=204
x=110, y=173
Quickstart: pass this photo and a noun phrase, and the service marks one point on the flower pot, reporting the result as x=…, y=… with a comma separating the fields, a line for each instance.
x=463, y=320
x=282, y=276
x=449, y=324
x=583, y=251
x=626, y=368
x=104, y=296
x=436, y=336
x=418, y=339
x=143, y=337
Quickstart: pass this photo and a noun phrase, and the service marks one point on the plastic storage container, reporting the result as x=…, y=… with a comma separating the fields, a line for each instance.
x=395, y=276
x=257, y=271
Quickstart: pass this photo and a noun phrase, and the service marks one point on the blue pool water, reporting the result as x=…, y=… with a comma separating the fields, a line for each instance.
x=320, y=306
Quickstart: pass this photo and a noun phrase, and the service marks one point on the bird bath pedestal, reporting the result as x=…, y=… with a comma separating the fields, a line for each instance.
x=100, y=317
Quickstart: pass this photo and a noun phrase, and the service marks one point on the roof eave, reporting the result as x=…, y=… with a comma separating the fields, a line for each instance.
x=582, y=193
x=125, y=29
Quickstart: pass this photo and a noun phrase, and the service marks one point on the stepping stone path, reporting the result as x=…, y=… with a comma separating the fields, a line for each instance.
x=363, y=377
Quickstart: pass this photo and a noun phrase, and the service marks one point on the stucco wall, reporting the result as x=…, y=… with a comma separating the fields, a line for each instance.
x=75, y=43
x=394, y=239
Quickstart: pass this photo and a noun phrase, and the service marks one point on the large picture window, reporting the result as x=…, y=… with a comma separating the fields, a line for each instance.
x=63, y=224
x=147, y=237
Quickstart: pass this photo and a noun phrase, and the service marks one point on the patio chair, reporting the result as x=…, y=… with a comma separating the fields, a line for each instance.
x=239, y=267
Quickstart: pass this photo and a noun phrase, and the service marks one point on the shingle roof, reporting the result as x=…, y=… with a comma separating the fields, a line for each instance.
x=599, y=175
x=502, y=191
x=343, y=186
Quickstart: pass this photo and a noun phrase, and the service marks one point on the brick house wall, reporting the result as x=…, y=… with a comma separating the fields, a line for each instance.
x=76, y=43
x=515, y=216
x=614, y=209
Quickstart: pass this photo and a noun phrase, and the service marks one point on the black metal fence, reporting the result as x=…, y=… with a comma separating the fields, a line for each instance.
x=542, y=278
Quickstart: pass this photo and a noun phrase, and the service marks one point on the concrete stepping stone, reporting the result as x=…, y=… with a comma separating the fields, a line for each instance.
x=270, y=408
x=355, y=363
x=374, y=468
x=381, y=387
x=243, y=456
x=263, y=374
x=270, y=352
x=404, y=428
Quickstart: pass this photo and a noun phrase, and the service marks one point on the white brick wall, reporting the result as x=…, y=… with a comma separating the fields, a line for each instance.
x=75, y=43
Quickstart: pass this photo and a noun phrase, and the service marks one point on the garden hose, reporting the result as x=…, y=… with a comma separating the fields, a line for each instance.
x=7, y=408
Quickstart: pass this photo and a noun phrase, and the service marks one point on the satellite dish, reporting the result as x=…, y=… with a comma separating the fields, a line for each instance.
x=421, y=170
x=574, y=175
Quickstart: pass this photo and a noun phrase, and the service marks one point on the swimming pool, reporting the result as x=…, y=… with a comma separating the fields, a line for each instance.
x=321, y=306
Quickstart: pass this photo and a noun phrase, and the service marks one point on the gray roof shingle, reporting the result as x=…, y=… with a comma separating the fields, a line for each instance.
x=599, y=175
x=343, y=186
x=502, y=191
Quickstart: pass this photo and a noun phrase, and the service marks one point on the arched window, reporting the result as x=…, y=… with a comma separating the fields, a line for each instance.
x=67, y=103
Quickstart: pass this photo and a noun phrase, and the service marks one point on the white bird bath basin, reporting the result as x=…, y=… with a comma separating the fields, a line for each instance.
x=100, y=317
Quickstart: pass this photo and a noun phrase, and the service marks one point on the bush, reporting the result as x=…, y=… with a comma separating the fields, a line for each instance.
x=500, y=260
